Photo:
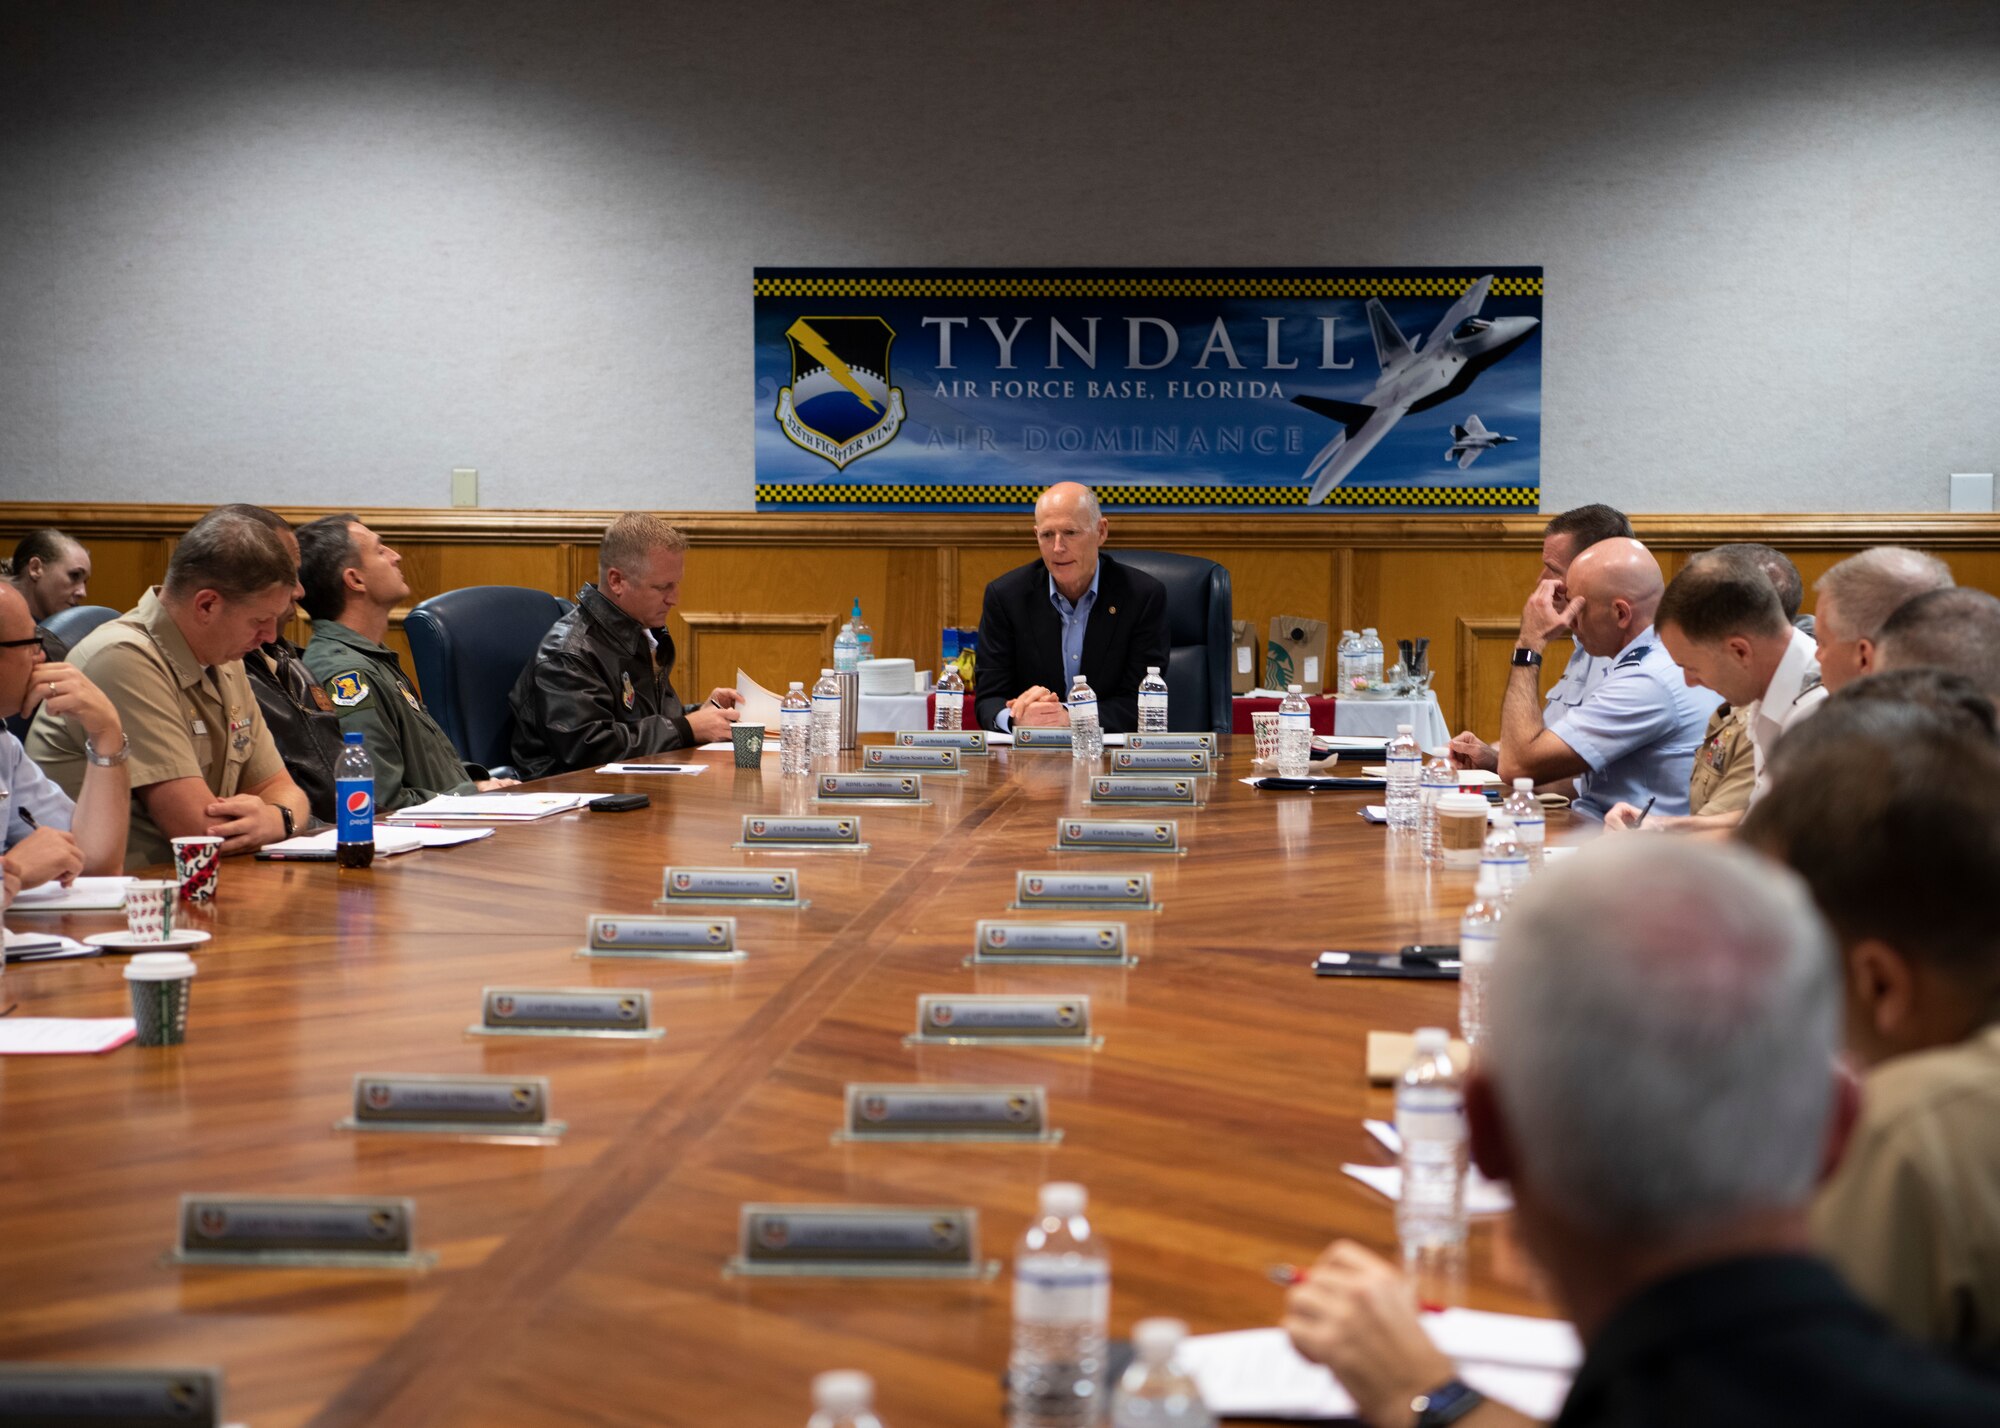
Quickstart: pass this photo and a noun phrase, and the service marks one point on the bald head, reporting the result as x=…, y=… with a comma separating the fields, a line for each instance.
x=1069, y=527
x=17, y=621
x=1618, y=584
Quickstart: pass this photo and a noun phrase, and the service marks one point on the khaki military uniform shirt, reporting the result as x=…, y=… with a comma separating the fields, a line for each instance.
x=1725, y=767
x=1912, y=1217
x=185, y=720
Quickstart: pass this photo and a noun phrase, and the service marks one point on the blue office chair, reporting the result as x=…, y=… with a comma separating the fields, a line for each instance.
x=71, y=625
x=1198, y=616
x=469, y=647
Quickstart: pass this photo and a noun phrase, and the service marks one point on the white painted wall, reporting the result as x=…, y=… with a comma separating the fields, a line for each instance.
x=314, y=252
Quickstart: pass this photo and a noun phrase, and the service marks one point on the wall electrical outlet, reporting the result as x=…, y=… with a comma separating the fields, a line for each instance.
x=464, y=486
x=1971, y=491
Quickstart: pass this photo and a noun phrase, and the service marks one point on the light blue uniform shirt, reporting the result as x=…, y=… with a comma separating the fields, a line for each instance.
x=23, y=786
x=1074, y=620
x=1638, y=730
x=1581, y=675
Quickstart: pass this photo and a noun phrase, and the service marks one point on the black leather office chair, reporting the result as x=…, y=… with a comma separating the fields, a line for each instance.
x=469, y=647
x=1198, y=616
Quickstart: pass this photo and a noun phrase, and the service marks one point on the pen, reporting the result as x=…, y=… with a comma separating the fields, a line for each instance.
x=1285, y=1274
x=1640, y=821
x=420, y=825
x=29, y=819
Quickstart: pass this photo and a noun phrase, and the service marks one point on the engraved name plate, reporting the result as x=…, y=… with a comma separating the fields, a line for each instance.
x=1127, y=890
x=568, y=1011
x=691, y=938
x=900, y=756
x=410, y=1102
x=774, y=887
x=1124, y=835
x=901, y=1241
x=1142, y=788
x=1002, y=941
x=869, y=788
x=839, y=831
x=87, y=1396
x=1053, y=738
x=1188, y=761
x=282, y=1228
x=996, y=1018
x=903, y=1112
x=1204, y=742
x=970, y=743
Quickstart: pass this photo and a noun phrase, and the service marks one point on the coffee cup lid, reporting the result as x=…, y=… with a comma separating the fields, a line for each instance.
x=1462, y=803
x=159, y=967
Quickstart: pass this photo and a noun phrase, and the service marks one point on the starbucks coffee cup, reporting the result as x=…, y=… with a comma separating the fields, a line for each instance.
x=159, y=983
x=1461, y=819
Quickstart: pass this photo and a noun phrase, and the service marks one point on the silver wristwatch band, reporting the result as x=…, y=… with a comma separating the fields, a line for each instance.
x=109, y=761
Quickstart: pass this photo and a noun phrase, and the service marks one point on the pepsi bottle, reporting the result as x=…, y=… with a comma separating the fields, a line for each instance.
x=354, y=805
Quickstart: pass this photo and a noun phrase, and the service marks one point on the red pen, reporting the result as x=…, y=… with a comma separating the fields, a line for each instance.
x=419, y=825
x=1285, y=1274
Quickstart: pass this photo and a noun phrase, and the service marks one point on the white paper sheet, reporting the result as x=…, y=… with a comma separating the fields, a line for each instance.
x=389, y=841
x=83, y=895
x=661, y=768
x=759, y=704
x=63, y=1036
x=1482, y=1196
x=492, y=807
x=43, y=946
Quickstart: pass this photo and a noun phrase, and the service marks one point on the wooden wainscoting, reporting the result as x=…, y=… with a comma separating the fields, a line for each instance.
x=767, y=591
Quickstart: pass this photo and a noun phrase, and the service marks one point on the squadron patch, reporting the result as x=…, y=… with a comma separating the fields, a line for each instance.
x=630, y=693
x=410, y=697
x=347, y=690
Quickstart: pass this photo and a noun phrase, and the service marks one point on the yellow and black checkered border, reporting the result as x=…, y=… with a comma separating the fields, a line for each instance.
x=1355, y=287
x=1401, y=497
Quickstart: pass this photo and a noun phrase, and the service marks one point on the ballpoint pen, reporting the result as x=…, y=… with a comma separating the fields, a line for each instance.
x=1640, y=821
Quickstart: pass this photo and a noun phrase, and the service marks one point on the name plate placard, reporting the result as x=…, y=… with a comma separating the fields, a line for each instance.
x=567, y=1011
x=1205, y=742
x=696, y=887
x=1053, y=738
x=919, y=1241
x=1034, y=1021
x=674, y=939
x=1118, y=835
x=899, y=1112
x=1187, y=761
x=517, y=1105
x=906, y=756
x=286, y=1229
x=869, y=788
x=1114, y=890
x=1000, y=941
x=970, y=743
x=802, y=833
x=1142, y=788
x=86, y=1396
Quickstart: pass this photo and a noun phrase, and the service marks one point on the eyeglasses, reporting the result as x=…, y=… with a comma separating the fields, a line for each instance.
x=35, y=640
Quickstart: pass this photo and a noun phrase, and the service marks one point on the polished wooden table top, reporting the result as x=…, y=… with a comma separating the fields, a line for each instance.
x=583, y=1281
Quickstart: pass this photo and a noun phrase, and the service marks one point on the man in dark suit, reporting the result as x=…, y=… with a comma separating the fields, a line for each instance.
x=1074, y=611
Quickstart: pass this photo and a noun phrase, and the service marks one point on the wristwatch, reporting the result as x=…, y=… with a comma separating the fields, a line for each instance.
x=1447, y=1403
x=286, y=814
x=109, y=761
x=1526, y=658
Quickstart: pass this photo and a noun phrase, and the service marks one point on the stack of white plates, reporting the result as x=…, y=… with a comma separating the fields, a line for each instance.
x=888, y=676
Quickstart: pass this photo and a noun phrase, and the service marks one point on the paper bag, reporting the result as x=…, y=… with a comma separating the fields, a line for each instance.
x=1245, y=659
x=1297, y=654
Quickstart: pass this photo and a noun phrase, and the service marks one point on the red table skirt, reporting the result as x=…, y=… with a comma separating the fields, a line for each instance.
x=1320, y=704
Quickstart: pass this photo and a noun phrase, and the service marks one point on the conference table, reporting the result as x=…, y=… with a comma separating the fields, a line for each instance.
x=584, y=1281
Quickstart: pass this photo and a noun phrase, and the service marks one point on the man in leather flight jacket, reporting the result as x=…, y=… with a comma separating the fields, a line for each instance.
x=600, y=687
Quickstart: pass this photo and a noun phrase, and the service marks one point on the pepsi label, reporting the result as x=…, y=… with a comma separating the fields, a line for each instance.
x=354, y=804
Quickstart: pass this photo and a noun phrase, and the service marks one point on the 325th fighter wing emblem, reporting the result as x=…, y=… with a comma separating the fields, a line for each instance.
x=840, y=405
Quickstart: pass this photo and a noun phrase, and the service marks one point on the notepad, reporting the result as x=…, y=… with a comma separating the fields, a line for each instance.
x=63, y=1036
x=389, y=841
x=83, y=895
x=657, y=768
x=493, y=807
x=42, y=946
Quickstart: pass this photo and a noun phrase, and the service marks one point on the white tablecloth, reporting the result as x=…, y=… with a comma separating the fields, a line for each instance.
x=1381, y=716
x=893, y=713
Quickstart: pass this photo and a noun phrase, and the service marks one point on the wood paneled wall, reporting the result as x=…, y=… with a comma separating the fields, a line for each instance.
x=766, y=592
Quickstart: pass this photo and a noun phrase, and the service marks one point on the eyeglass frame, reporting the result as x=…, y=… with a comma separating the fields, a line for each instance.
x=42, y=641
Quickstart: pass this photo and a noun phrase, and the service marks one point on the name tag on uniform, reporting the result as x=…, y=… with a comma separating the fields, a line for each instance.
x=1116, y=890
x=923, y=1241
x=807, y=834
x=999, y=941
x=926, y=1113
x=453, y=1104
x=970, y=743
x=1187, y=761
x=1117, y=835
x=86, y=1396
x=567, y=1011
x=1142, y=789
x=673, y=939
x=284, y=1229
x=1033, y=1021
x=869, y=788
x=902, y=756
x=768, y=887
x=1043, y=738
x=1205, y=742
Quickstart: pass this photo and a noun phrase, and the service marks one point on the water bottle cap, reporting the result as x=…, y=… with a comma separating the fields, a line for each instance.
x=843, y=1391
x=1502, y=819
x=825, y=674
x=1487, y=884
x=351, y=737
x=799, y=684
x=1064, y=1198
x=1524, y=785
x=1405, y=728
x=1078, y=680
x=1367, y=629
x=846, y=627
x=1432, y=1041
x=1156, y=1339
x=1152, y=669
x=1295, y=689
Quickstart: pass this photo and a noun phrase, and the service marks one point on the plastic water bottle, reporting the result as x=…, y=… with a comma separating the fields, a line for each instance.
x=1062, y=1303
x=826, y=717
x=1086, y=734
x=864, y=633
x=1295, y=734
x=1371, y=655
x=1406, y=767
x=1348, y=661
x=1430, y=1211
x=1531, y=824
x=1154, y=1393
x=948, y=700
x=1152, y=702
x=1439, y=777
x=795, y=731
x=354, y=804
x=846, y=649
x=1478, y=935
x=844, y=1399
x=1505, y=855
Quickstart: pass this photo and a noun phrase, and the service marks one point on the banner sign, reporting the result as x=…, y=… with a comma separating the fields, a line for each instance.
x=1360, y=389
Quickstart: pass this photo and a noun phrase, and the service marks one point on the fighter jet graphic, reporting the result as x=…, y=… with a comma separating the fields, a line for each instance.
x=1472, y=440
x=1415, y=377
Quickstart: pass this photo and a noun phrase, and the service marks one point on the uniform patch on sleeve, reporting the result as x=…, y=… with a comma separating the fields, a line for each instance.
x=347, y=690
